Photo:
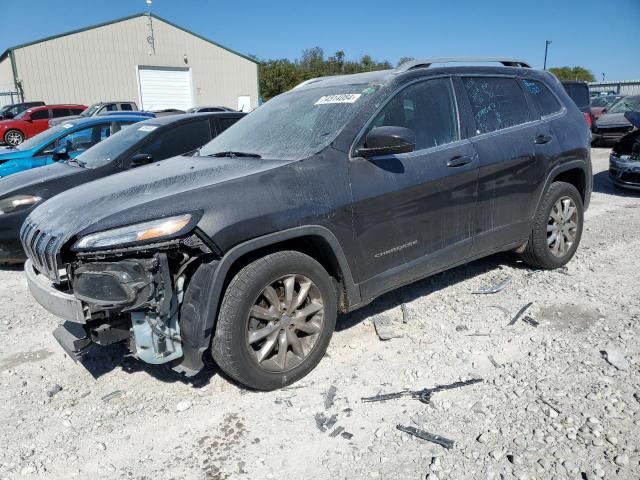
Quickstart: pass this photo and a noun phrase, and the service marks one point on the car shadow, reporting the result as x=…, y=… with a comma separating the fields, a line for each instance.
x=602, y=184
x=429, y=285
x=12, y=267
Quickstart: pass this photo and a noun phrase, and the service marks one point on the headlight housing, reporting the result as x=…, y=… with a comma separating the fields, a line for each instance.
x=140, y=232
x=17, y=203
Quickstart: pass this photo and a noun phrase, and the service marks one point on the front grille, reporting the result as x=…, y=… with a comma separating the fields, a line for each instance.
x=43, y=248
x=630, y=177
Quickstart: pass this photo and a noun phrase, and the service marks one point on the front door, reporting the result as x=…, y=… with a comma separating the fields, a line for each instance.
x=413, y=213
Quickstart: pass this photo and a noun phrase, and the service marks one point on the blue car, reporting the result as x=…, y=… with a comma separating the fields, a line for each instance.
x=62, y=142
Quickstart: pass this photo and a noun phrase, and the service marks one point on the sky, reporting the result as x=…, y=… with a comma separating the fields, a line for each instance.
x=600, y=35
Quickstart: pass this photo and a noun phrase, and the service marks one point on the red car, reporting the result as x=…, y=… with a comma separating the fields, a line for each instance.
x=33, y=121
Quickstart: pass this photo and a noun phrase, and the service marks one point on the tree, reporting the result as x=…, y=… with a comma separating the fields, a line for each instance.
x=573, y=73
x=404, y=60
x=280, y=75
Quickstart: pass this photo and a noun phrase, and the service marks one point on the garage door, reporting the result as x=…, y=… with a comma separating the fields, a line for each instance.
x=162, y=88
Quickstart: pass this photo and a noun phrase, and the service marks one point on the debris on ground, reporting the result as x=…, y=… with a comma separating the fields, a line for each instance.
x=423, y=395
x=616, y=358
x=112, y=395
x=337, y=431
x=347, y=435
x=384, y=327
x=430, y=437
x=493, y=361
x=519, y=314
x=462, y=328
x=550, y=405
x=54, y=390
x=329, y=397
x=183, y=406
x=529, y=320
x=325, y=423
x=405, y=313
x=489, y=289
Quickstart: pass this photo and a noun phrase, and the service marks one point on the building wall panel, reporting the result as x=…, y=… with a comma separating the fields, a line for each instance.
x=101, y=64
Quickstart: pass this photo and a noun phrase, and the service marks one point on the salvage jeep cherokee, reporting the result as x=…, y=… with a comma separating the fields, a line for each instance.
x=316, y=203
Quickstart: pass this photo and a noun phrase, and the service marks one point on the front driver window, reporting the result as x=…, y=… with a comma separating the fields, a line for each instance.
x=427, y=108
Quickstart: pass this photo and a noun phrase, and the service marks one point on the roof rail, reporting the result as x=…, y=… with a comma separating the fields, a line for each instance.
x=313, y=80
x=426, y=62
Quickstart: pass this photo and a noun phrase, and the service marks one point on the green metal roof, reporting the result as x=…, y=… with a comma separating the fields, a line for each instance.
x=22, y=45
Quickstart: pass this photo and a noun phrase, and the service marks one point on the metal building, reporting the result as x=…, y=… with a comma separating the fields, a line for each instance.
x=143, y=58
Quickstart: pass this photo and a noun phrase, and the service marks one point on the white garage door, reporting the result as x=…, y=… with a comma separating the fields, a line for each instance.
x=162, y=88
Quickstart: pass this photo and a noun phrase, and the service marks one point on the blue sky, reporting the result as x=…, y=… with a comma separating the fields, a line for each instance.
x=601, y=35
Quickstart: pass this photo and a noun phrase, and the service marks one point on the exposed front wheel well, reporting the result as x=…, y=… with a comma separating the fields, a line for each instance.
x=575, y=177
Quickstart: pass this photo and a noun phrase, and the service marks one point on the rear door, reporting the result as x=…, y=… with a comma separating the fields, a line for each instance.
x=509, y=173
x=413, y=213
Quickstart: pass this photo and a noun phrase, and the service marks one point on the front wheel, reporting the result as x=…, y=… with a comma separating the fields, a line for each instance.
x=276, y=320
x=13, y=137
x=557, y=227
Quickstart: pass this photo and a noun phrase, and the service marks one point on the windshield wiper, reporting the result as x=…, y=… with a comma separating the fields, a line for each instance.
x=232, y=154
x=78, y=162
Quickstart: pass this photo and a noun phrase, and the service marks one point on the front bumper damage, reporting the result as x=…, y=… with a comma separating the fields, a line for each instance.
x=624, y=171
x=125, y=298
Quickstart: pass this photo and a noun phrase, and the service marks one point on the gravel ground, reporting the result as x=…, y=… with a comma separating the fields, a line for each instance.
x=552, y=404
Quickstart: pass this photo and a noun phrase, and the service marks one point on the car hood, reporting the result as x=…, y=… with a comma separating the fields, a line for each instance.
x=41, y=181
x=174, y=186
x=611, y=119
x=7, y=153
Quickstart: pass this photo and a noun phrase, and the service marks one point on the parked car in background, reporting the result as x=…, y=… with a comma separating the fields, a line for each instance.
x=167, y=112
x=613, y=124
x=9, y=111
x=600, y=104
x=579, y=93
x=210, y=109
x=74, y=137
x=97, y=109
x=33, y=121
x=624, y=161
x=145, y=142
x=324, y=198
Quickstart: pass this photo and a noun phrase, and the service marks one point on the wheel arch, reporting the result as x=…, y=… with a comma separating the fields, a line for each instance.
x=206, y=287
x=573, y=172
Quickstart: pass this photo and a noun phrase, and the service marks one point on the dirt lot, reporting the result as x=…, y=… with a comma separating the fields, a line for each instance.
x=550, y=406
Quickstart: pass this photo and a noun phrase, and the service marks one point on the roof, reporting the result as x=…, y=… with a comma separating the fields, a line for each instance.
x=104, y=24
x=183, y=117
x=106, y=119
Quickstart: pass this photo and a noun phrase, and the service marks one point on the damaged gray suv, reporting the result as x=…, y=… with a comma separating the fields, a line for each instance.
x=316, y=203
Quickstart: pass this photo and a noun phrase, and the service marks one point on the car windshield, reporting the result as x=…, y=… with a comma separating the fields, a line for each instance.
x=294, y=125
x=118, y=143
x=43, y=137
x=89, y=111
x=6, y=109
x=603, y=101
x=626, y=104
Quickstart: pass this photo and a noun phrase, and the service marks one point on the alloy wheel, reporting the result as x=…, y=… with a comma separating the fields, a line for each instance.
x=562, y=226
x=285, y=323
x=13, y=138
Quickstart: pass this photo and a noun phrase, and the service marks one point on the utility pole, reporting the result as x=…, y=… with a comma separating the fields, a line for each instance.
x=150, y=39
x=602, y=77
x=546, y=48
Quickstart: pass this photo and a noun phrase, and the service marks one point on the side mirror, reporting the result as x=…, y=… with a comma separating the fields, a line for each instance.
x=604, y=110
x=388, y=141
x=60, y=153
x=140, y=159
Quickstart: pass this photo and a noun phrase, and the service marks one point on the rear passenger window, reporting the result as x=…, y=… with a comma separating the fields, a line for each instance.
x=544, y=100
x=126, y=107
x=226, y=122
x=496, y=103
x=428, y=108
x=60, y=112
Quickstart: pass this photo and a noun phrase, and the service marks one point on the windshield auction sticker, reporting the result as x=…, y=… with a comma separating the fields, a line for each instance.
x=67, y=125
x=147, y=128
x=343, y=98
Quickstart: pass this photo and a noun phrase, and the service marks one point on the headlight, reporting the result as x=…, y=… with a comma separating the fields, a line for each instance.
x=19, y=202
x=140, y=232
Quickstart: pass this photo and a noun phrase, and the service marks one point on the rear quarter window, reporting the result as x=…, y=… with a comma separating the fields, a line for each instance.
x=579, y=94
x=543, y=99
x=496, y=103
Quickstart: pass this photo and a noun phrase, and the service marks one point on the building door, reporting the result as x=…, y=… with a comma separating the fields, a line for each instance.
x=165, y=87
x=244, y=103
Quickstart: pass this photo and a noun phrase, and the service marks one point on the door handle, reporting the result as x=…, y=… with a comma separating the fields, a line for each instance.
x=542, y=139
x=459, y=161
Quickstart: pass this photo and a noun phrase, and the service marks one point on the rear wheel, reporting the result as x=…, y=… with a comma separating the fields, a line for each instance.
x=557, y=227
x=276, y=320
x=13, y=137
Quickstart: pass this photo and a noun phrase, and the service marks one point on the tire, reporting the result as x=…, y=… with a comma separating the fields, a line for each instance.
x=13, y=137
x=539, y=252
x=251, y=292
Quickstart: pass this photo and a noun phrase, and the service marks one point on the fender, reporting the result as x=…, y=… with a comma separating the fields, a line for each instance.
x=570, y=165
x=200, y=307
